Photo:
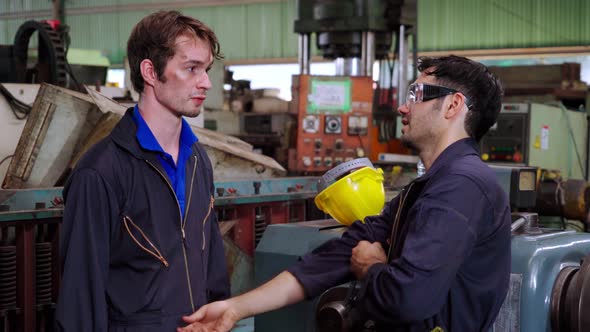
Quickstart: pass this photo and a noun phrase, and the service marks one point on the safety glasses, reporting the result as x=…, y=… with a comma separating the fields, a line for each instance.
x=420, y=92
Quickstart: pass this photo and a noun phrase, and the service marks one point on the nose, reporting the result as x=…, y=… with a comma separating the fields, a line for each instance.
x=403, y=109
x=204, y=82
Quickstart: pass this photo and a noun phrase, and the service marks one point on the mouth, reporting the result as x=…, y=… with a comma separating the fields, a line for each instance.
x=198, y=99
x=405, y=121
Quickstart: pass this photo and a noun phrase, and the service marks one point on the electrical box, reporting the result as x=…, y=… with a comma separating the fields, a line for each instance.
x=334, y=121
x=539, y=135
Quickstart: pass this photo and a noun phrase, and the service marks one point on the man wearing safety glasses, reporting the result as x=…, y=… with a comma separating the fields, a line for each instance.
x=437, y=258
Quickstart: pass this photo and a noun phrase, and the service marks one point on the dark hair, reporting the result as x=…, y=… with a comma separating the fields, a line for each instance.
x=154, y=38
x=476, y=82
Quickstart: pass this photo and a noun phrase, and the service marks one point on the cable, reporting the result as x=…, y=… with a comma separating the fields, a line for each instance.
x=79, y=87
x=560, y=200
x=5, y=159
x=358, y=134
x=64, y=32
x=569, y=126
x=19, y=108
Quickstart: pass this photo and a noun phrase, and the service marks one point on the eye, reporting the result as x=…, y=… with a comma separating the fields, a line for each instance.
x=191, y=69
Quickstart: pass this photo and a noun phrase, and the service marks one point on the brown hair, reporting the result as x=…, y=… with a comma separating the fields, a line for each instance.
x=154, y=38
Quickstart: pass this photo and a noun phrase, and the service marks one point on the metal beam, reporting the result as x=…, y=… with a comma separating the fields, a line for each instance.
x=132, y=7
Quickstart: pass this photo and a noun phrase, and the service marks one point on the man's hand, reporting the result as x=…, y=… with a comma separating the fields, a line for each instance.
x=364, y=255
x=217, y=317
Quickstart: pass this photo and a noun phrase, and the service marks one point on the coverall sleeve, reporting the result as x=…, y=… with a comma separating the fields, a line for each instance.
x=84, y=251
x=329, y=264
x=217, y=281
x=442, y=233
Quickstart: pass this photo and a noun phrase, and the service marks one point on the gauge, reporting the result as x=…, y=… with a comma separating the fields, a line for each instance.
x=526, y=180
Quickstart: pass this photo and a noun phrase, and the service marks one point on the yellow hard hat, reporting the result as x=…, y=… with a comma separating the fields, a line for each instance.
x=354, y=196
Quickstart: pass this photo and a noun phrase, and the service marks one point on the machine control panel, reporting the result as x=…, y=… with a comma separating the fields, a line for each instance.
x=334, y=121
x=507, y=139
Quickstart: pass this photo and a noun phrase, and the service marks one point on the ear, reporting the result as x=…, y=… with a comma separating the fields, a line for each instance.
x=456, y=106
x=148, y=72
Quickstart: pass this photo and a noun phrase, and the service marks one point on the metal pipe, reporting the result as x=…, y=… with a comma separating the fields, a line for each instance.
x=57, y=13
x=518, y=223
x=303, y=54
x=347, y=66
x=355, y=66
x=587, y=170
x=364, y=50
x=339, y=66
x=344, y=66
x=370, y=59
x=403, y=64
x=414, y=54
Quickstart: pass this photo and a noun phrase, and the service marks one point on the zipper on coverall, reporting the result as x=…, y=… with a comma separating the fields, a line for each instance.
x=182, y=222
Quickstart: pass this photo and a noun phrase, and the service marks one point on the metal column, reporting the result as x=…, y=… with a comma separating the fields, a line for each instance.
x=304, y=53
x=403, y=65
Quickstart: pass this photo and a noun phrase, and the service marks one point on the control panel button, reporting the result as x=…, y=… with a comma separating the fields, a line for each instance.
x=306, y=161
x=317, y=161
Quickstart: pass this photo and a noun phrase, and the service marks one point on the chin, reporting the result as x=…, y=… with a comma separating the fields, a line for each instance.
x=408, y=143
x=191, y=114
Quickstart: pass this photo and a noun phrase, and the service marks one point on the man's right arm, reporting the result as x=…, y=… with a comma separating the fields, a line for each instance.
x=279, y=292
x=84, y=251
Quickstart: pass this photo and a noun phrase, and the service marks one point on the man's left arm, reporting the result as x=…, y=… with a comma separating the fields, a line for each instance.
x=442, y=233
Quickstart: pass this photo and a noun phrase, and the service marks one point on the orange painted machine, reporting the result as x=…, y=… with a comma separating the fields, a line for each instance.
x=348, y=115
x=334, y=116
x=336, y=123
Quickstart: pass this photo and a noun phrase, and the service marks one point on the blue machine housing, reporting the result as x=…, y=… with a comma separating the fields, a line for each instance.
x=539, y=259
x=280, y=247
x=536, y=262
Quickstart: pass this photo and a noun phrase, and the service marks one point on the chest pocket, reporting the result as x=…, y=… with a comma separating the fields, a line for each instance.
x=141, y=239
x=140, y=236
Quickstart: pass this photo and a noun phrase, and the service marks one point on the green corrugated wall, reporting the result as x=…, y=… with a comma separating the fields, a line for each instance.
x=484, y=24
x=264, y=30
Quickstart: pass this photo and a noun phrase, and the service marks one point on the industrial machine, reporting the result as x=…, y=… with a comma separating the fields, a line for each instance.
x=29, y=264
x=555, y=140
x=549, y=280
x=539, y=135
x=52, y=61
x=335, y=121
x=269, y=132
x=51, y=66
x=563, y=203
x=549, y=271
x=338, y=117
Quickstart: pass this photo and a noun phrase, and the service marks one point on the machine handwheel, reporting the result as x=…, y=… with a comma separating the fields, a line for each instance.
x=570, y=299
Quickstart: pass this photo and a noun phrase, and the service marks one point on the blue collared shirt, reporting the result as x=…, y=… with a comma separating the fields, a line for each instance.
x=176, y=175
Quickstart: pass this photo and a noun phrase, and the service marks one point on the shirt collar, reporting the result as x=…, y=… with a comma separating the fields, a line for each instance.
x=462, y=147
x=148, y=141
x=187, y=137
